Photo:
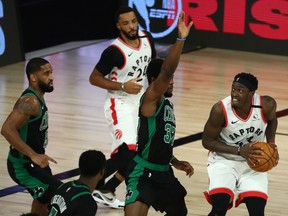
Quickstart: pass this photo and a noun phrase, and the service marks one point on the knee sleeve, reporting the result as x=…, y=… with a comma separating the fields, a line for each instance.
x=125, y=154
x=112, y=166
x=125, y=157
x=255, y=205
x=220, y=203
x=119, y=161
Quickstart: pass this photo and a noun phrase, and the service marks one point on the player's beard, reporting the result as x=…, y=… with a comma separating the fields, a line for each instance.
x=169, y=92
x=131, y=37
x=45, y=87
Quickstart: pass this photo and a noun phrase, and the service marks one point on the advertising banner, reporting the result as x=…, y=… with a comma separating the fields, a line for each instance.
x=248, y=25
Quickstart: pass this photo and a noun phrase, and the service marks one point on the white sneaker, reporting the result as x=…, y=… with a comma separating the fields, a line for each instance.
x=108, y=199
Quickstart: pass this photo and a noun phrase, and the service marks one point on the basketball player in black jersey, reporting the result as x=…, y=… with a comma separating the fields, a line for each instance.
x=26, y=130
x=150, y=180
x=74, y=197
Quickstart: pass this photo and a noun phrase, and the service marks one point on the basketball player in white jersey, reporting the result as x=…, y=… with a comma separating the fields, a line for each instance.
x=234, y=124
x=122, y=71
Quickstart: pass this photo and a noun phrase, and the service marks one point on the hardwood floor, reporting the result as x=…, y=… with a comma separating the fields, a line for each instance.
x=77, y=121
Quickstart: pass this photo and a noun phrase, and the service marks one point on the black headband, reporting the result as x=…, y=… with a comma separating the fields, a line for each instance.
x=246, y=83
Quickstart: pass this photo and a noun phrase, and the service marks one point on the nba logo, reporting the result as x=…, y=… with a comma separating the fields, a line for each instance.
x=159, y=17
x=168, y=4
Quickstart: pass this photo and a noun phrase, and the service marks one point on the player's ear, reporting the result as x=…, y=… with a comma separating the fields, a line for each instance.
x=251, y=93
x=118, y=26
x=33, y=77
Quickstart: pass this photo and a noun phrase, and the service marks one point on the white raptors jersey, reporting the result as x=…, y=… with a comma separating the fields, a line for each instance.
x=136, y=61
x=238, y=131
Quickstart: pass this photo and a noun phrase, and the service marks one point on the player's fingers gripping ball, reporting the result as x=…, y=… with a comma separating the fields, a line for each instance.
x=267, y=160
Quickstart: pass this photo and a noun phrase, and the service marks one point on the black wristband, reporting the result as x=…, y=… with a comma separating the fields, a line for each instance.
x=171, y=160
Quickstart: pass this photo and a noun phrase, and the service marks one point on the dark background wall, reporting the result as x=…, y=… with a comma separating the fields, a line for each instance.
x=249, y=25
x=47, y=23
x=11, y=49
x=29, y=25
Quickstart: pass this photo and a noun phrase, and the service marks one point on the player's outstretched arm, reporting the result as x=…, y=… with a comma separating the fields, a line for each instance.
x=158, y=87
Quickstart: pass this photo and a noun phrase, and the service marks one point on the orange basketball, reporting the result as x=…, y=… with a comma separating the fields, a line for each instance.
x=267, y=160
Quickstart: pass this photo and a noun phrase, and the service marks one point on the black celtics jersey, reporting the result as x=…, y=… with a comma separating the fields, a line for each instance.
x=72, y=198
x=34, y=133
x=156, y=134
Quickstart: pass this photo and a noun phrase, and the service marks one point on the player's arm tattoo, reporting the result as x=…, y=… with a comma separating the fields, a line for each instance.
x=26, y=106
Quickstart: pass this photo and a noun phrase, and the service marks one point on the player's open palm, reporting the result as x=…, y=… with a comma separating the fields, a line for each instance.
x=183, y=30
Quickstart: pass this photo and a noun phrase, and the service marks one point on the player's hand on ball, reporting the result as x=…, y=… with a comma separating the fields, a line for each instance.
x=249, y=151
x=264, y=156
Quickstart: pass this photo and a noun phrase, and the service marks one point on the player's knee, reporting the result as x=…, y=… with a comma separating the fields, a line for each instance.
x=220, y=204
x=126, y=154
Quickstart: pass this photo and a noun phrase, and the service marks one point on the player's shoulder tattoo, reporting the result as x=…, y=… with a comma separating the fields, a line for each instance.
x=269, y=100
x=28, y=104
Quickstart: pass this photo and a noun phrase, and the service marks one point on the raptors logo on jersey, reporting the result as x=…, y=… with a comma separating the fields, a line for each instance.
x=136, y=61
x=238, y=131
x=118, y=134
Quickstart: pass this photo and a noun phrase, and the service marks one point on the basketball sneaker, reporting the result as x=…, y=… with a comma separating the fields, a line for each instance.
x=108, y=199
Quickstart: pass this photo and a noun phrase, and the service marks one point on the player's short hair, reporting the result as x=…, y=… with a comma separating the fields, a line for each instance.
x=122, y=10
x=34, y=65
x=248, y=80
x=154, y=68
x=91, y=162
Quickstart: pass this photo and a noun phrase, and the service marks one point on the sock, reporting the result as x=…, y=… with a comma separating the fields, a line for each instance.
x=100, y=184
x=111, y=185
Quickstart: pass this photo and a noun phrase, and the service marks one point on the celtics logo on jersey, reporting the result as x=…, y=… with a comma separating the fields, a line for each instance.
x=44, y=126
x=169, y=119
x=44, y=123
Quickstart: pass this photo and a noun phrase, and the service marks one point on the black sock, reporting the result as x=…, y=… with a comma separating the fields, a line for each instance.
x=111, y=185
x=100, y=184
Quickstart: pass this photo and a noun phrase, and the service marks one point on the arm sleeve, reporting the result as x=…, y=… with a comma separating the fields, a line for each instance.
x=111, y=57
